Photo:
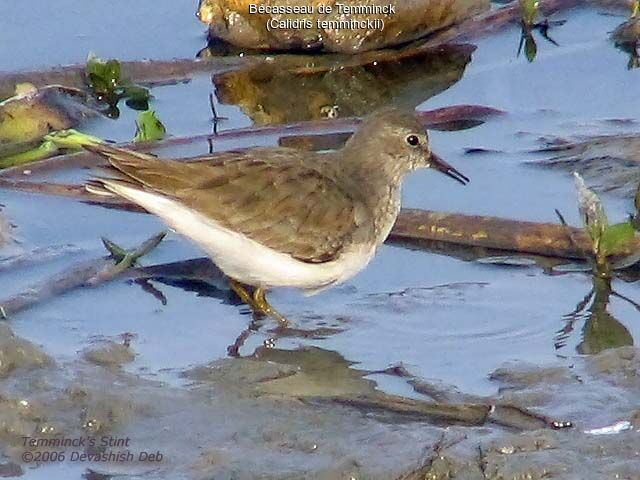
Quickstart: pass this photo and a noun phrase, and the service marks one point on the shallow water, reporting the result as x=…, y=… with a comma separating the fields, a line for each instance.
x=443, y=318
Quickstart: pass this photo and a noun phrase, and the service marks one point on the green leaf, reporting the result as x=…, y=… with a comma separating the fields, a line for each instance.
x=46, y=149
x=529, y=9
x=530, y=48
x=137, y=97
x=51, y=144
x=71, y=139
x=148, y=127
x=103, y=77
x=616, y=237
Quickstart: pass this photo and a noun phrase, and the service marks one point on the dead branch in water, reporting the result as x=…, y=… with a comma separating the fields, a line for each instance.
x=419, y=227
x=87, y=274
x=430, y=119
x=143, y=72
x=546, y=239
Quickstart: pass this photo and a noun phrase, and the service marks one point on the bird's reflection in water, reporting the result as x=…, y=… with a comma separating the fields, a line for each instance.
x=601, y=330
x=203, y=278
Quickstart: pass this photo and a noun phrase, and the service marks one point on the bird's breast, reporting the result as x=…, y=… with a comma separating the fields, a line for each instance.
x=386, y=212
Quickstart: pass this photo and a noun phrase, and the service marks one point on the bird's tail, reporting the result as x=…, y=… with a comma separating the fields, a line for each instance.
x=107, y=186
x=115, y=154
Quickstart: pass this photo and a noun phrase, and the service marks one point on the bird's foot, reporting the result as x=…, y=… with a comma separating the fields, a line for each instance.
x=258, y=301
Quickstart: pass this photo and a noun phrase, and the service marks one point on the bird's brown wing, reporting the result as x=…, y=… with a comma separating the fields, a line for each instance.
x=279, y=203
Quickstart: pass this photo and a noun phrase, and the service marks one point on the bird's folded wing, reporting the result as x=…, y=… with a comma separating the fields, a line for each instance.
x=281, y=203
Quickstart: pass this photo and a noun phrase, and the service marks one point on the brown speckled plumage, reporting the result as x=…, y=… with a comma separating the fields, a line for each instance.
x=311, y=206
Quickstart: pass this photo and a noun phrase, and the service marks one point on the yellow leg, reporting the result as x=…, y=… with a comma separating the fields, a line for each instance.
x=242, y=293
x=260, y=300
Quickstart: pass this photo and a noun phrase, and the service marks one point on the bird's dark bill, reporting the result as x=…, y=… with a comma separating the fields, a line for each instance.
x=439, y=164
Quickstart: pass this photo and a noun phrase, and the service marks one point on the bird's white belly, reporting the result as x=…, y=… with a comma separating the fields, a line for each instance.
x=245, y=259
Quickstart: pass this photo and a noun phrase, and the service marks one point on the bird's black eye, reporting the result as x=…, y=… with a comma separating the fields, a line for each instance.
x=413, y=140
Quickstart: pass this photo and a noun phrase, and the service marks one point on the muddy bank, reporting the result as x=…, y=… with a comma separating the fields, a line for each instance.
x=270, y=404
x=5, y=231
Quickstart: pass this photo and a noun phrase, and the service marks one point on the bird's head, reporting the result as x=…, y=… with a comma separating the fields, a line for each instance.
x=399, y=140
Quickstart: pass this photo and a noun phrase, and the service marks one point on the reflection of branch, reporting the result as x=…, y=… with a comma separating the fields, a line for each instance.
x=543, y=28
x=233, y=350
x=627, y=299
x=215, y=117
x=528, y=41
x=601, y=330
x=582, y=304
x=148, y=287
x=571, y=319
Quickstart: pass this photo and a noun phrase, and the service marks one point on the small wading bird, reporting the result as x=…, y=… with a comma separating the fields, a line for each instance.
x=280, y=217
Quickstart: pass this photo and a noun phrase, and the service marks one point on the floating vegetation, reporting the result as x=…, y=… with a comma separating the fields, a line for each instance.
x=606, y=241
x=605, y=238
x=529, y=11
x=34, y=112
x=149, y=127
x=54, y=143
x=529, y=24
x=37, y=123
x=105, y=81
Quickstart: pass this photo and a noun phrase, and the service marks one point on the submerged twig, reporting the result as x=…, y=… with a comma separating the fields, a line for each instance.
x=124, y=258
x=465, y=413
x=432, y=453
x=36, y=256
x=90, y=273
x=633, y=303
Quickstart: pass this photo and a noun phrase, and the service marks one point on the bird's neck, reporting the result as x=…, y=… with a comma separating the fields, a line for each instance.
x=375, y=183
x=375, y=173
